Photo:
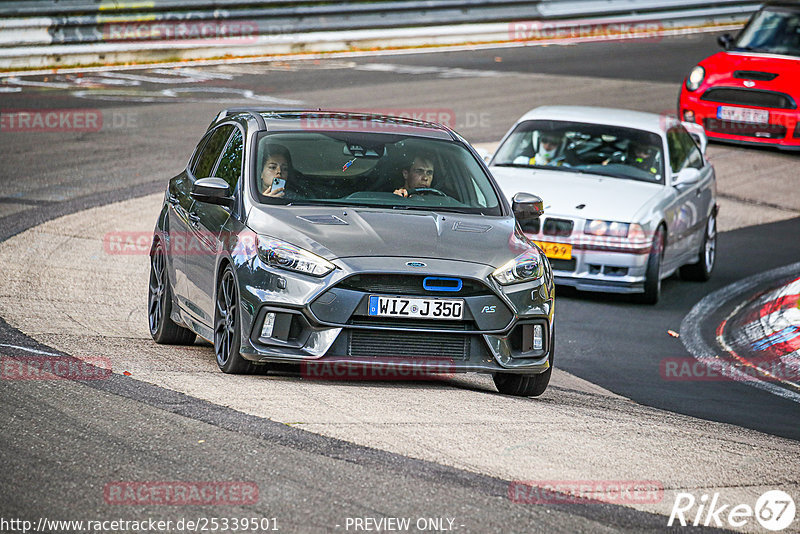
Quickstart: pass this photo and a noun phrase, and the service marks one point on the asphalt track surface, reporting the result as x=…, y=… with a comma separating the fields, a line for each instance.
x=62, y=439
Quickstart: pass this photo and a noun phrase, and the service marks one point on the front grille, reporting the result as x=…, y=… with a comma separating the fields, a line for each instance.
x=389, y=344
x=745, y=129
x=384, y=322
x=530, y=226
x=558, y=227
x=754, y=75
x=408, y=285
x=563, y=265
x=749, y=97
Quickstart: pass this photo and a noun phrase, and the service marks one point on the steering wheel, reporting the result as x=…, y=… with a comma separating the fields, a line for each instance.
x=426, y=191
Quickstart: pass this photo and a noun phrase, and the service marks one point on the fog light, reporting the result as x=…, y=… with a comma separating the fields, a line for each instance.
x=538, y=342
x=688, y=115
x=269, y=325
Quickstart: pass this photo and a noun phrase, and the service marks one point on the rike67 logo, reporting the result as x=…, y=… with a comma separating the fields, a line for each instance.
x=774, y=510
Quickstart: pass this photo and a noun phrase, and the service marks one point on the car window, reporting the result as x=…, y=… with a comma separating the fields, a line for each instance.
x=229, y=167
x=677, y=150
x=694, y=158
x=774, y=30
x=367, y=169
x=211, y=151
x=614, y=151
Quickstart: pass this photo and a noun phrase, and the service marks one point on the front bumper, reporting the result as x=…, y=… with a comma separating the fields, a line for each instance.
x=326, y=320
x=783, y=130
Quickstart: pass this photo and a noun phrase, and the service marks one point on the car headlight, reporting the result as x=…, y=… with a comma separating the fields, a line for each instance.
x=695, y=78
x=524, y=268
x=287, y=256
x=606, y=228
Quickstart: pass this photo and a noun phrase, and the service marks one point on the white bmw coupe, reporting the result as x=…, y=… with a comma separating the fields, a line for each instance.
x=630, y=197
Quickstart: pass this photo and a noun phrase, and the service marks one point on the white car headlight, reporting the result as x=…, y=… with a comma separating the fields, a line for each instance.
x=287, y=256
x=606, y=228
x=524, y=268
x=695, y=78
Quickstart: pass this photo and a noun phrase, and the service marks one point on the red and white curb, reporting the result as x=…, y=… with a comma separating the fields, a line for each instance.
x=761, y=333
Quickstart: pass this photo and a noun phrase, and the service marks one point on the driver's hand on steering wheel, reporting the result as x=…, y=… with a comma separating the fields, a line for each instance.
x=401, y=192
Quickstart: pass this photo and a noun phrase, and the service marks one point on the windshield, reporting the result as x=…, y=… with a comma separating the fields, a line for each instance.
x=584, y=148
x=371, y=169
x=772, y=31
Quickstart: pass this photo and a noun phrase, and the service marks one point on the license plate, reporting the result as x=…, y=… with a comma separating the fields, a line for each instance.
x=753, y=116
x=556, y=251
x=416, y=308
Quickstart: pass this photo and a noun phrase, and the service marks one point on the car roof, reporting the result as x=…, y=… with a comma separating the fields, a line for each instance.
x=327, y=120
x=639, y=120
x=782, y=4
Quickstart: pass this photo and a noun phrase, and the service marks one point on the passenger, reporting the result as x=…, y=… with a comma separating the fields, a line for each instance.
x=546, y=152
x=277, y=168
x=417, y=175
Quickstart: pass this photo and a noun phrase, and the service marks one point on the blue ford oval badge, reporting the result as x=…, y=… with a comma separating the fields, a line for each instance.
x=415, y=264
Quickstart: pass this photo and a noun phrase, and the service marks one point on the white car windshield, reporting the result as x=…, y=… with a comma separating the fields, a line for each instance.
x=371, y=169
x=613, y=151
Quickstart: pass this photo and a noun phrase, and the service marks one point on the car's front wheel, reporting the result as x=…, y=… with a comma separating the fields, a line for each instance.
x=227, y=326
x=526, y=385
x=159, y=304
x=701, y=271
x=652, y=277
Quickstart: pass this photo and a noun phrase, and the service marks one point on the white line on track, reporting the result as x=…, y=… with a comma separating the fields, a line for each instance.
x=701, y=351
x=44, y=353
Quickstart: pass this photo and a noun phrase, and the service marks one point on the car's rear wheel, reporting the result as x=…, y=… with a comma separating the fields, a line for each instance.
x=701, y=271
x=159, y=304
x=227, y=340
x=652, y=277
x=526, y=385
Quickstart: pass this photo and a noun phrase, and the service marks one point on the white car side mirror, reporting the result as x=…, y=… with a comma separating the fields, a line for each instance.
x=698, y=133
x=483, y=153
x=686, y=176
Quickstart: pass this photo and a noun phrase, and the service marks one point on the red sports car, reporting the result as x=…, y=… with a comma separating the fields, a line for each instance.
x=749, y=93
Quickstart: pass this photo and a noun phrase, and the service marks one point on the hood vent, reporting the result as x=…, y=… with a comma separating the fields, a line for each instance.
x=461, y=226
x=322, y=219
x=754, y=75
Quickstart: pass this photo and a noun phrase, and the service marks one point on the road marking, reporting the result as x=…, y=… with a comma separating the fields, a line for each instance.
x=702, y=352
x=442, y=72
x=34, y=351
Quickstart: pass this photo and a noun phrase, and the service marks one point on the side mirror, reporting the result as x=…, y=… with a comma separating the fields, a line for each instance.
x=698, y=133
x=484, y=154
x=725, y=41
x=686, y=177
x=526, y=206
x=212, y=190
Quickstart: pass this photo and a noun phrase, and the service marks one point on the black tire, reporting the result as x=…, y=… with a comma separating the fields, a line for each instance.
x=227, y=326
x=706, y=257
x=652, y=277
x=159, y=304
x=526, y=385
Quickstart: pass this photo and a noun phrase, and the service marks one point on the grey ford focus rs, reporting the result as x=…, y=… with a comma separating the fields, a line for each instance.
x=309, y=237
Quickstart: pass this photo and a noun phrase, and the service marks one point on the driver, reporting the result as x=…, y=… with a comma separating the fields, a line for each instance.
x=643, y=156
x=417, y=175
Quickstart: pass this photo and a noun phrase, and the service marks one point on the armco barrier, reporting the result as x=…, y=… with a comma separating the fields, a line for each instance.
x=43, y=33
